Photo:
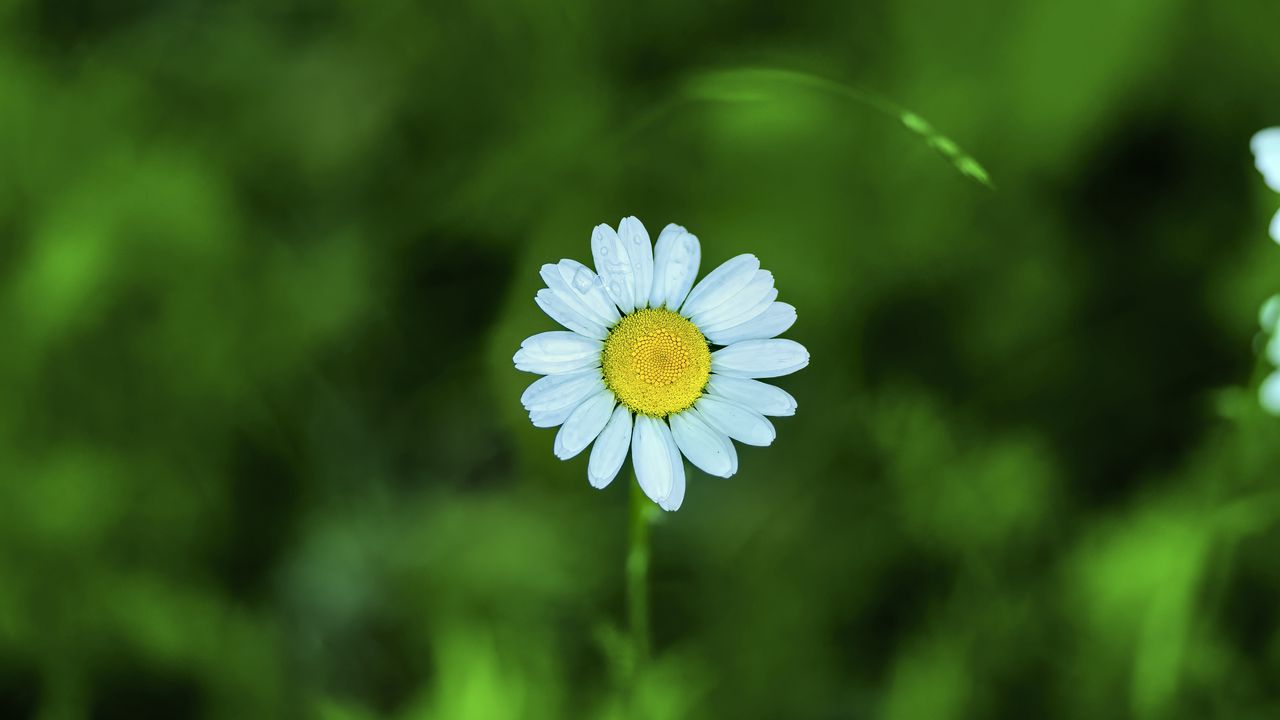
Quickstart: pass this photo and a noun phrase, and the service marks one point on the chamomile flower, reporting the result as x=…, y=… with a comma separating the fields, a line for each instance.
x=655, y=365
x=1269, y=319
x=1266, y=155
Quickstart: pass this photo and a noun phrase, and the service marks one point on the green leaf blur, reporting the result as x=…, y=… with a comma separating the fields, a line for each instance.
x=263, y=266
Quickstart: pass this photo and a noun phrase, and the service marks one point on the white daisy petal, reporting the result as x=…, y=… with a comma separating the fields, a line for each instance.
x=550, y=418
x=675, y=266
x=1265, y=142
x=732, y=456
x=1266, y=155
x=557, y=391
x=557, y=352
x=720, y=284
x=754, y=312
x=547, y=415
x=675, y=498
x=1269, y=314
x=559, y=311
x=740, y=423
x=560, y=345
x=590, y=288
x=730, y=448
x=760, y=358
x=707, y=448
x=774, y=321
x=610, y=449
x=584, y=424
x=1269, y=393
x=564, y=281
x=613, y=264
x=525, y=362
x=640, y=249
x=650, y=455
x=558, y=285
x=1275, y=227
x=747, y=314
x=1273, y=350
x=760, y=287
x=761, y=397
x=1271, y=174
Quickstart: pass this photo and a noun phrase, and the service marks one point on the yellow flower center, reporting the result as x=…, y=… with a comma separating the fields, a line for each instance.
x=656, y=362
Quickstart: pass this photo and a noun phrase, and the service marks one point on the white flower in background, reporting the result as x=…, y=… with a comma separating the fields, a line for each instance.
x=1269, y=319
x=1269, y=393
x=1266, y=155
x=637, y=370
x=1269, y=314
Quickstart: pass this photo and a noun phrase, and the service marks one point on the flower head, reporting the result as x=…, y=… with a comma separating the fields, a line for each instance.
x=1269, y=320
x=1266, y=156
x=638, y=368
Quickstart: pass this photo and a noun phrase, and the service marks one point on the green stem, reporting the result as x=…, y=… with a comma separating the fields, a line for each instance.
x=638, y=574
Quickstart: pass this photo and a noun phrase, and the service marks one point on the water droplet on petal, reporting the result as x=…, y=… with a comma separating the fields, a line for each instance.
x=582, y=280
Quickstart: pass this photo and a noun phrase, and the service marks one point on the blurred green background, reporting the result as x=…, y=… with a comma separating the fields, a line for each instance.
x=263, y=267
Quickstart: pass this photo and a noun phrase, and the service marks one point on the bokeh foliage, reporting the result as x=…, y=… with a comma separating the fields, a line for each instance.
x=263, y=267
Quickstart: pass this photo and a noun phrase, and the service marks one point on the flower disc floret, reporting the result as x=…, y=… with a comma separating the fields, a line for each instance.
x=656, y=362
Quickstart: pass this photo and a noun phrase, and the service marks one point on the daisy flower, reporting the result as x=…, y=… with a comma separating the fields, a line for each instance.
x=656, y=365
x=1266, y=155
x=1269, y=319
